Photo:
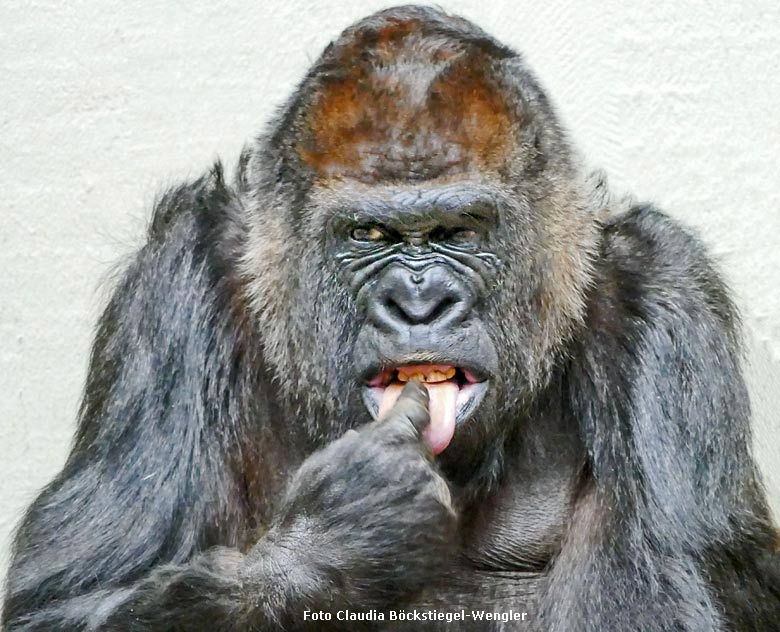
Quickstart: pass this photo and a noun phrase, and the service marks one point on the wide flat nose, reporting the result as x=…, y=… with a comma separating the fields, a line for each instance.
x=405, y=298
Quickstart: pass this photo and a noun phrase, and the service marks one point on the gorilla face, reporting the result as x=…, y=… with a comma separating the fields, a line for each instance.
x=419, y=263
x=430, y=221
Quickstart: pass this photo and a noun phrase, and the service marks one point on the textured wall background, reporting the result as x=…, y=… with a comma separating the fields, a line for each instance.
x=102, y=104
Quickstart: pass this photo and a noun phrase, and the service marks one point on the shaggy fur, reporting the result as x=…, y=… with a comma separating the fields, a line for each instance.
x=226, y=475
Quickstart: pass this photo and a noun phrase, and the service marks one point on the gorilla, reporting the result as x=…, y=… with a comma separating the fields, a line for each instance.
x=411, y=364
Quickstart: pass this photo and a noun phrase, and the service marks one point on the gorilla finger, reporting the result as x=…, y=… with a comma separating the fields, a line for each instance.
x=411, y=407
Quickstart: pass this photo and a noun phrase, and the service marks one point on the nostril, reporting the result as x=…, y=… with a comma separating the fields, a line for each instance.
x=395, y=311
x=441, y=308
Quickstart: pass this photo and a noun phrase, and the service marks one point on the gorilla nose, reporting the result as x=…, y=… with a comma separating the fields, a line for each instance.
x=432, y=297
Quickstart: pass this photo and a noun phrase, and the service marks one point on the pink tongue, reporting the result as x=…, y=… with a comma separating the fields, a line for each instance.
x=442, y=398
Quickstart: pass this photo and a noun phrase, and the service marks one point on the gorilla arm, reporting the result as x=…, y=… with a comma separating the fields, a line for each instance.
x=142, y=529
x=656, y=387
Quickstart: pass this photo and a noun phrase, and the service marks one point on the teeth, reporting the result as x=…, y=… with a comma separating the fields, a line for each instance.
x=417, y=376
x=432, y=376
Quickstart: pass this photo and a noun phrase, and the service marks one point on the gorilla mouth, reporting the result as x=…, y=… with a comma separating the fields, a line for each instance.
x=453, y=392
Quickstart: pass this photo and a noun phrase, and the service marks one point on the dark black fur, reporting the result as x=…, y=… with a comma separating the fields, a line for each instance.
x=608, y=484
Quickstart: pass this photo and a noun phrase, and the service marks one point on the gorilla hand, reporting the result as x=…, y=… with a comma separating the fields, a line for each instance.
x=367, y=522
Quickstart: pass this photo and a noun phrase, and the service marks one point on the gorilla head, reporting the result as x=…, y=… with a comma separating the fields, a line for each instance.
x=423, y=205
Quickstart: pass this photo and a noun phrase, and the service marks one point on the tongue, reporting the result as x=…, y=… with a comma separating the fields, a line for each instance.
x=442, y=398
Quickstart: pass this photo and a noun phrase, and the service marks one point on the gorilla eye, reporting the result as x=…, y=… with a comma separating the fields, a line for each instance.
x=368, y=233
x=462, y=236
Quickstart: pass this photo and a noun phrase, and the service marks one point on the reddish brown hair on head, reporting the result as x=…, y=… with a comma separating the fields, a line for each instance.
x=403, y=101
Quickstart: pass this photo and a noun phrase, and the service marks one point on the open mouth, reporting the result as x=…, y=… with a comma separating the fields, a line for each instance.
x=453, y=393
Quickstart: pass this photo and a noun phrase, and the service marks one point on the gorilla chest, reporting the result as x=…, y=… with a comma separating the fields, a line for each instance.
x=508, y=541
x=520, y=528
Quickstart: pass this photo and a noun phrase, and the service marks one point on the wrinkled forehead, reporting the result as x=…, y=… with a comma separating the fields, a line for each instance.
x=402, y=104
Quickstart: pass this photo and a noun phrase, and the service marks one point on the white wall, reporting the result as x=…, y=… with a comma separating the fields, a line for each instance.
x=102, y=104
